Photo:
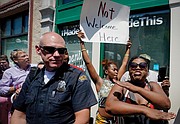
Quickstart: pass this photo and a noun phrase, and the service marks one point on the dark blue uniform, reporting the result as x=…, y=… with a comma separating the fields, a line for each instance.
x=67, y=92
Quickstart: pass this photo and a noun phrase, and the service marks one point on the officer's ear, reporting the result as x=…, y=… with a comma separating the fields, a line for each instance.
x=38, y=49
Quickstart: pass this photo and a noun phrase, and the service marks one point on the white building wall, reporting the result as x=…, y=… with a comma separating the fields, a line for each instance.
x=174, y=56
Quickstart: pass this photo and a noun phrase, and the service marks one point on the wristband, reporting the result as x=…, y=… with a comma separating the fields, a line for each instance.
x=126, y=55
x=83, y=50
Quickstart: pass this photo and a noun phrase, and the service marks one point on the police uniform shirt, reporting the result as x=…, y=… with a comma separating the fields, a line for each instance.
x=67, y=92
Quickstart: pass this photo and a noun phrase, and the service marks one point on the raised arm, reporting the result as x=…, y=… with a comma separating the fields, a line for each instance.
x=92, y=72
x=122, y=69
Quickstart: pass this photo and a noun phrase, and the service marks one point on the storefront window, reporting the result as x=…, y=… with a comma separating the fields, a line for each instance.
x=17, y=25
x=9, y=44
x=150, y=34
x=69, y=33
x=14, y=32
x=14, y=25
x=68, y=1
x=26, y=18
x=6, y=28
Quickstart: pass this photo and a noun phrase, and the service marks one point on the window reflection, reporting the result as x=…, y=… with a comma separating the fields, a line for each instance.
x=69, y=33
x=17, y=23
x=26, y=23
x=14, y=32
x=68, y=1
x=6, y=28
x=14, y=25
x=149, y=33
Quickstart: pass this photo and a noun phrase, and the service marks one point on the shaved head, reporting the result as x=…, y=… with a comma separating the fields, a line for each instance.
x=51, y=37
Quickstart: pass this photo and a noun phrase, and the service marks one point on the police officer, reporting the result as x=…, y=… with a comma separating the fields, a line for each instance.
x=58, y=93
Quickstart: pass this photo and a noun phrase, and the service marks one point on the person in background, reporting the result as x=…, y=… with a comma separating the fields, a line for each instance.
x=152, y=76
x=66, y=57
x=14, y=77
x=4, y=62
x=66, y=60
x=104, y=85
x=5, y=104
x=32, y=71
x=137, y=100
x=40, y=64
x=58, y=94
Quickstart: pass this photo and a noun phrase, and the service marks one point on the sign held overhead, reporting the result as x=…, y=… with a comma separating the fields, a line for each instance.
x=105, y=21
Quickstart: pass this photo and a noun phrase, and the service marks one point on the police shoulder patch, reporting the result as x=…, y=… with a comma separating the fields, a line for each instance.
x=82, y=78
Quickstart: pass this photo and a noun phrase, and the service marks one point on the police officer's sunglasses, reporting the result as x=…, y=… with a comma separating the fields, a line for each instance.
x=51, y=50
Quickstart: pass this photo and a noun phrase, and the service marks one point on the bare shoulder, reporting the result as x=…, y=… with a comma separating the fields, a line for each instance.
x=154, y=85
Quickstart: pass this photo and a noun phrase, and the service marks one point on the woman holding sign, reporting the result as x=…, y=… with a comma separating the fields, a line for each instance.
x=104, y=85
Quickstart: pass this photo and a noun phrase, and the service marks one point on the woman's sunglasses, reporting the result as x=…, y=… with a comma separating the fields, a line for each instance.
x=51, y=50
x=142, y=65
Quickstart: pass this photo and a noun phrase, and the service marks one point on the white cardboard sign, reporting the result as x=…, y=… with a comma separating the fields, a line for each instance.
x=105, y=21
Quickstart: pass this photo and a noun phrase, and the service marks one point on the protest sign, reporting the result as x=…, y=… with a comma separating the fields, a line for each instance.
x=105, y=21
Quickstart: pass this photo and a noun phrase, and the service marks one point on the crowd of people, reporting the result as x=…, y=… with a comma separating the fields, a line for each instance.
x=57, y=92
x=113, y=74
